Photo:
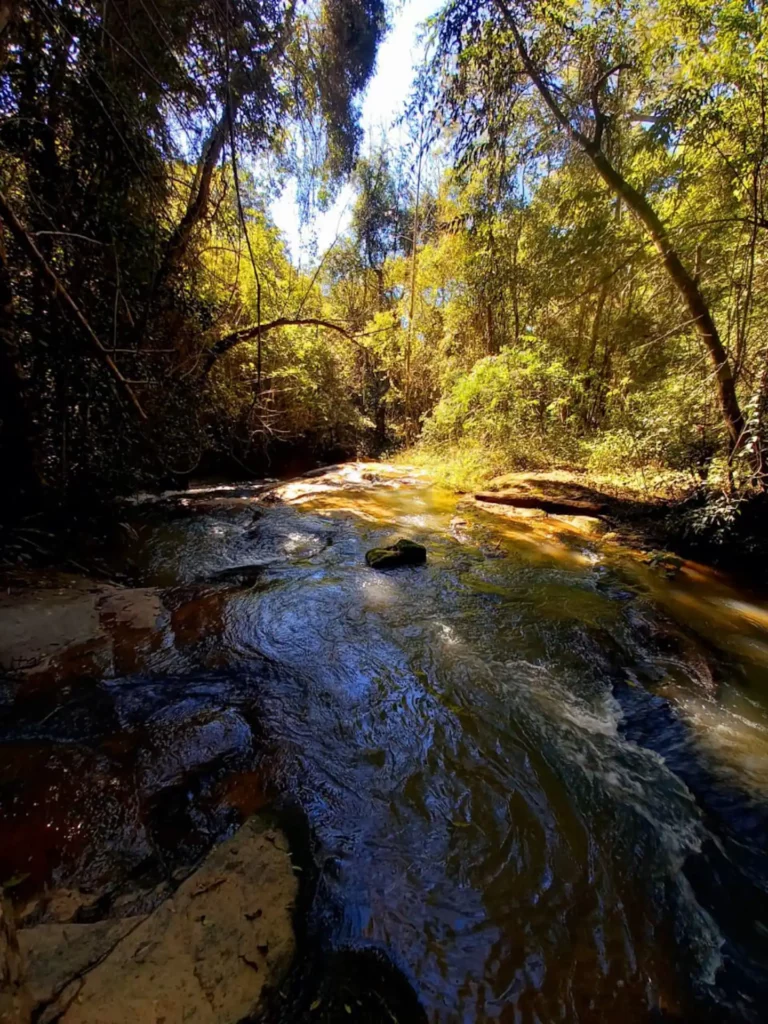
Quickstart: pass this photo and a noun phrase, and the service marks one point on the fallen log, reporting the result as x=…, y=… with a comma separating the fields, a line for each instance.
x=555, y=506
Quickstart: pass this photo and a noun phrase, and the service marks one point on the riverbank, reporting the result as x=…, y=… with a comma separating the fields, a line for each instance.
x=667, y=515
x=663, y=516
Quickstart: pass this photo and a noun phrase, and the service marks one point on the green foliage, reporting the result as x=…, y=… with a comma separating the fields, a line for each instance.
x=459, y=467
x=662, y=426
x=117, y=122
x=516, y=311
x=517, y=403
x=348, y=36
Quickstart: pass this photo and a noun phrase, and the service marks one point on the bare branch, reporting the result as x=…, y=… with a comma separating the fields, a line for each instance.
x=27, y=243
x=229, y=341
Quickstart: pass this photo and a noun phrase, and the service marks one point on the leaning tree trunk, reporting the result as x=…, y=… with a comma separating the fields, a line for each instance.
x=642, y=210
x=178, y=243
x=197, y=207
x=686, y=286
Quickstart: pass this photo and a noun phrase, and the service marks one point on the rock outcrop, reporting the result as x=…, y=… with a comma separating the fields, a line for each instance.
x=554, y=506
x=208, y=953
x=15, y=1002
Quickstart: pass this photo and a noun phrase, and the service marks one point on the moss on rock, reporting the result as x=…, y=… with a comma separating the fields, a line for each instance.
x=403, y=552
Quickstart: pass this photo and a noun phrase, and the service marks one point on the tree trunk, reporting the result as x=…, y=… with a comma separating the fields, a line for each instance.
x=516, y=282
x=6, y=13
x=642, y=210
x=594, y=337
x=18, y=453
x=198, y=202
x=686, y=286
x=412, y=297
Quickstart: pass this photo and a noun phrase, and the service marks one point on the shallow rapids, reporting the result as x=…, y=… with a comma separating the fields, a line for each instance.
x=535, y=770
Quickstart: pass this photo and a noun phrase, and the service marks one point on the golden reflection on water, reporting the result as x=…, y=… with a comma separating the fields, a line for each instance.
x=362, y=505
x=545, y=542
x=731, y=724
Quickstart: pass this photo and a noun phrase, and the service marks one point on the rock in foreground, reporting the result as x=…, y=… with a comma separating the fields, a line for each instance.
x=14, y=997
x=208, y=954
x=404, y=552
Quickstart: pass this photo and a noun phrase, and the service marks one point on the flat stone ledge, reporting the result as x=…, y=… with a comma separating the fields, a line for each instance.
x=208, y=953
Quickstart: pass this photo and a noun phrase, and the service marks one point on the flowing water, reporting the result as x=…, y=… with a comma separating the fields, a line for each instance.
x=535, y=769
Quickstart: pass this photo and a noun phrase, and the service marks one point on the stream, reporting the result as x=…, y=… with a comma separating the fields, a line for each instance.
x=535, y=770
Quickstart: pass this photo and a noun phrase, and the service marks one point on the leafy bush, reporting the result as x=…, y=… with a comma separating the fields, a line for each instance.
x=459, y=468
x=661, y=427
x=516, y=404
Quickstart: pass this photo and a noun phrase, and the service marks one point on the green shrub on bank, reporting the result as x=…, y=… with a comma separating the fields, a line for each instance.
x=518, y=405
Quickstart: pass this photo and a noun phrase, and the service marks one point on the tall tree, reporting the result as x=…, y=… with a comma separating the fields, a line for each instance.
x=115, y=120
x=570, y=59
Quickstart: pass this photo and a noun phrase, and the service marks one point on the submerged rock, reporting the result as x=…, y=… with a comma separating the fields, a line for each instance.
x=190, y=738
x=404, y=552
x=49, y=636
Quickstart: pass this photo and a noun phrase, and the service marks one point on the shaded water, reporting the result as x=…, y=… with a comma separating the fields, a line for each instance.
x=536, y=769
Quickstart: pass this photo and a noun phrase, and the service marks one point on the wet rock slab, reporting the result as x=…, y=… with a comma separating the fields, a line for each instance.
x=15, y=1003
x=79, y=629
x=108, y=786
x=54, y=954
x=208, y=953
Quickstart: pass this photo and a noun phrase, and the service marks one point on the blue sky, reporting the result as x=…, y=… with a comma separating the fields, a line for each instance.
x=384, y=101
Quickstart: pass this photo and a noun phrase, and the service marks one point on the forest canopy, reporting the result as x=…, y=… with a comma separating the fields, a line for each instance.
x=565, y=265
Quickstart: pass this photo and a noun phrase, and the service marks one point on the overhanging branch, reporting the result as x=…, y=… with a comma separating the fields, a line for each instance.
x=27, y=243
x=229, y=341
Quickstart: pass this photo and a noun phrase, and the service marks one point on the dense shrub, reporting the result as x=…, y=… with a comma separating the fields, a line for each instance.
x=518, y=403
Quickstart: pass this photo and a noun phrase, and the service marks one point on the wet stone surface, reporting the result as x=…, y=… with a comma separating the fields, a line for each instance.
x=533, y=773
x=208, y=951
x=95, y=787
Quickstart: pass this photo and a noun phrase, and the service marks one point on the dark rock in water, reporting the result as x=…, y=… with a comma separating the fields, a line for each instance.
x=190, y=738
x=66, y=808
x=404, y=552
x=243, y=575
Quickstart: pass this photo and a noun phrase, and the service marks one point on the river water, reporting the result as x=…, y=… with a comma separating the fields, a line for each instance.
x=535, y=769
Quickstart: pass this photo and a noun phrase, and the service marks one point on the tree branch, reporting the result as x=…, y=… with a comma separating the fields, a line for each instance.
x=27, y=243
x=601, y=119
x=687, y=287
x=229, y=341
x=612, y=71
